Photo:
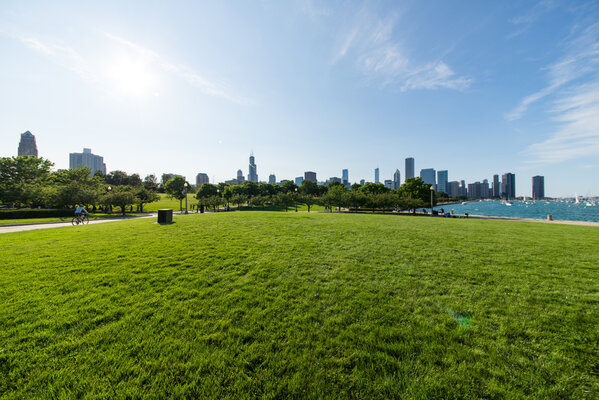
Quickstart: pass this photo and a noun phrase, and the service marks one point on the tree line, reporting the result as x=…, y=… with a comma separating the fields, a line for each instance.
x=29, y=181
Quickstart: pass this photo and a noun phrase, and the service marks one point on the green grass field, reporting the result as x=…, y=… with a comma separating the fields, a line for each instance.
x=298, y=305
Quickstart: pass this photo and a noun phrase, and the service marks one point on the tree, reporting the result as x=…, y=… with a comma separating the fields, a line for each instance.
x=22, y=176
x=176, y=188
x=145, y=196
x=374, y=188
x=309, y=187
x=117, y=178
x=416, y=192
x=336, y=196
x=284, y=199
x=307, y=199
x=134, y=180
x=259, y=200
x=151, y=182
x=207, y=190
x=288, y=187
x=355, y=186
x=120, y=196
x=250, y=189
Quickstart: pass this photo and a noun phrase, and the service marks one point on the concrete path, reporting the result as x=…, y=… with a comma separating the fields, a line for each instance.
x=29, y=227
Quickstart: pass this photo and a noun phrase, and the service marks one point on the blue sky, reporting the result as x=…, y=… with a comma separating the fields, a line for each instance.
x=476, y=88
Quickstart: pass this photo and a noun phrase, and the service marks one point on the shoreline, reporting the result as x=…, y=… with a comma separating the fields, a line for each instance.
x=555, y=221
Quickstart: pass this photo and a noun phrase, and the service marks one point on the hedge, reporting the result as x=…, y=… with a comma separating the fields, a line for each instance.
x=35, y=213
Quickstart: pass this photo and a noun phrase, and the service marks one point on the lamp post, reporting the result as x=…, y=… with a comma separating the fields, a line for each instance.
x=432, y=190
x=109, y=206
x=295, y=199
x=185, y=191
x=218, y=197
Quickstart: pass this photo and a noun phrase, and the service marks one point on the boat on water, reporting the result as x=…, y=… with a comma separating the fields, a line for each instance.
x=577, y=200
x=507, y=203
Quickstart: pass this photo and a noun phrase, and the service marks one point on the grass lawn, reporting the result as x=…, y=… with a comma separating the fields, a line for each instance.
x=298, y=305
x=166, y=202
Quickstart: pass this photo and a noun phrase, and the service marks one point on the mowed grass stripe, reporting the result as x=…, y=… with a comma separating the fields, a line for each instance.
x=247, y=305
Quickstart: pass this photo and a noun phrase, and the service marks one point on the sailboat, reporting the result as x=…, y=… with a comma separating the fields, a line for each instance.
x=577, y=200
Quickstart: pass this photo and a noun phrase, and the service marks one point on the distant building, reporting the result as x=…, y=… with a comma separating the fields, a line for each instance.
x=389, y=183
x=496, y=186
x=453, y=188
x=240, y=177
x=87, y=159
x=272, y=179
x=442, y=178
x=362, y=182
x=376, y=175
x=333, y=179
x=463, y=189
x=396, y=179
x=428, y=176
x=202, y=178
x=27, y=145
x=299, y=180
x=409, y=167
x=538, y=187
x=485, y=190
x=310, y=176
x=508, y=186
x=253, y=174
x=345, y=177
x=478, y=190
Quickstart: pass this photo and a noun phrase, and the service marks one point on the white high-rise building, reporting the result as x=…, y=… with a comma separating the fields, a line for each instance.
x=87, y=159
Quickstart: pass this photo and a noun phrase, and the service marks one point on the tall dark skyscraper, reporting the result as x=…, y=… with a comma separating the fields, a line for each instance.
x=87, y=159
x=396, y=179
x=442, y=178
x=345, y=177
x=508, y=186
x=496, y=186
x=428, y=176
x=253, y=175
x=310, y=176
x=27, y=145
x=409, y=167
x=202, y=178
x=376, y=175
x=272, y=179
x=538, y=187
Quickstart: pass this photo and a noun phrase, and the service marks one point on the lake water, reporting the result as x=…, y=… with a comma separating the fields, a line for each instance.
x=561, y=210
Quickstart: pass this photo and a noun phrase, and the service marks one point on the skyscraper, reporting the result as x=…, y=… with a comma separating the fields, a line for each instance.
x=453, y=188
x=362, y=182
x=442, y=178
x=345, y=177
x=202, y=178
x=240, y=177
x=310, y=176
x=299, y=180
x=87, y=159
x=396, y=179
x=508, y=185
x=538, y=187
x=27, y=145
x=272, y=179
x=388, y=183
x=428, y=176
x=496, y=186
x=376, y=175
x=409, y=167
x=253, y=175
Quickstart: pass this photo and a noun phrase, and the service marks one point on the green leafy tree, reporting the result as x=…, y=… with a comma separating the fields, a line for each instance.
x=416, y=193
x=22, y=177
x=356, y=186
x=117, y=178
x=309, y=187
x=177, y=189
x=374, y=188
x=207, y=190
x=337, y=196
x=308, y=200
x=145, y=196
x=134, y=180
x=120, y=196
x=250, y=189
x=284, y=199
x=288, y=187
x=151, y=182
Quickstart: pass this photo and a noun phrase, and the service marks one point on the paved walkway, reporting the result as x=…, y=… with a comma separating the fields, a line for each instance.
x=29, y=227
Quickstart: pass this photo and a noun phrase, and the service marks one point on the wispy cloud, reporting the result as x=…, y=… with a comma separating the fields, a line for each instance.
x=578, y=133
x=581, y=59
x=524, y=21
x=371, y=46
x=208, y=86
x=88, y=70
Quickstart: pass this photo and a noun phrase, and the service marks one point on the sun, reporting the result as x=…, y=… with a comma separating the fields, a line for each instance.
x=130, y=76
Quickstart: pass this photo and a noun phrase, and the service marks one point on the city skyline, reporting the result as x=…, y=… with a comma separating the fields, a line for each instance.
x=378, y=82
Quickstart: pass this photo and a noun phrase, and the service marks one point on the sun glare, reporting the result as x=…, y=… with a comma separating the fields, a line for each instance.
x=132, y=77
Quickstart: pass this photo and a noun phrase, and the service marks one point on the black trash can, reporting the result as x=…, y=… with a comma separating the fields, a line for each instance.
x=165, y=216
